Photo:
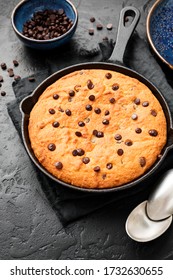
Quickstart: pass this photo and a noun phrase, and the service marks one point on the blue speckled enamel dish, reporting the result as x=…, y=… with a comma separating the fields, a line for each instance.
x=160, y=30
x=24, y=12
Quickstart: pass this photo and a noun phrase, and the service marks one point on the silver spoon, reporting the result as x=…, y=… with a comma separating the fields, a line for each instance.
x=152, y=218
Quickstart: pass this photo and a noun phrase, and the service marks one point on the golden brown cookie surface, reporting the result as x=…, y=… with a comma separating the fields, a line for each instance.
x=97, y=129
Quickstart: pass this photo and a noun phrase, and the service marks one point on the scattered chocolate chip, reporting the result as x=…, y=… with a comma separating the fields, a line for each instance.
x=81, y=123
x=115, y=86
x=47, y=24
x=145, y=103
x=97, y=110
x=1, y=79
x=86, y=160
x=105, y=38
x=100, y=134
x=106, y=122
x=108, y=75
x=88, y=107
x=134, y=117
x=55, y=124
x=99, y=26
x=59, y=165
x=3, y=66
x=71, y=93
x=51, y=111
x=31, y=79
x=95, y=132
x=128, y=142
x=55, y=96
x=10, y=72
x=91, y=31
x=78, y=133
x=117, y=137
x=137, y=101
x=153, y=132
x=109, y=26
x=3, y=93
x=90, y=84
x=80, y=152
x=92, y=19
x=51, y=147
x=112, y=100
x=60, y=109
x=142, y=161
x=138, y=130
x=109, y=165
x=68, y=112
x=120, y=152
x=15, y=62
x=153, y=113
x=96, y=168
x=74, y=153
x=91, y=97
x=107, y=112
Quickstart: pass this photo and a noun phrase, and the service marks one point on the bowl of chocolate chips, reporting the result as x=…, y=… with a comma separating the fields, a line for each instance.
x=44, y=25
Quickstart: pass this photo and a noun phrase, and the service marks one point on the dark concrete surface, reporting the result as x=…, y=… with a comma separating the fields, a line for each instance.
x=29, y=227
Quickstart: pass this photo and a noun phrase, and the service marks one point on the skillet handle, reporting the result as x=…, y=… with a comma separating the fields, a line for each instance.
x=124, y=33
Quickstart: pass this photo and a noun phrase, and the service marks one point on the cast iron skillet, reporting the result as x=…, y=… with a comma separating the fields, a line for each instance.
x=123, y=36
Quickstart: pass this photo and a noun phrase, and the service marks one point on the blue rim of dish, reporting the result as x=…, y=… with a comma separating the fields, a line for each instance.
x=44, y=41
x=160, y=30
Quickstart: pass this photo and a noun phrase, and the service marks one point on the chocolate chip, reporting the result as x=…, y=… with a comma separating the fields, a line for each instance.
x=120, y=152
x=91, y=31
x=10, y=72
x=95, y=132
x=153, y=113
x=99, y=26
x=118, y=137
x=60, y=109
x=3, y=93
x=78, y=133
x=80, y=152
x=128, y=142
x=153, y=132
x=88, y=107
x=138, y=130
x=90, y=84
x=100, y=134
x=109, y=165
x=15, y=62
x=51, y=147
x=31, y=79
x=55, y=124
x=91, y=97
x=74, y=153
x=81, y=123
x=108, y=75
x=137, y=101
x=142, y=161
x=134, y=117
x=59, y=165
x=51, y=111
x=86, y=160
x=145, y=104
x=106, y=122
x=109, y=26
x=55, y=96
x=107, y=112
x=71, y=93
x=97, y=110
x=68, y=112
x=92, y=19
x=3, y=66
x=1, y=79
x=96, y=168
x=104, y=176
x=112, y=100
x=115, y=86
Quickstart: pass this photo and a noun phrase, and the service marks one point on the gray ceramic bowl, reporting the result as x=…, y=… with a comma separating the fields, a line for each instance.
x=25, y=10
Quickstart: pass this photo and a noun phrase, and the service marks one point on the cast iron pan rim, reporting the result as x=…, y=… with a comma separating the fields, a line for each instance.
x=155, y=5
x=92, y=65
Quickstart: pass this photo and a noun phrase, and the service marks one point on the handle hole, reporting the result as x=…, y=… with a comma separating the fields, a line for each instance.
x=129, y=18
